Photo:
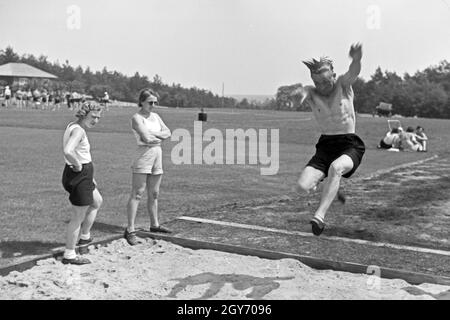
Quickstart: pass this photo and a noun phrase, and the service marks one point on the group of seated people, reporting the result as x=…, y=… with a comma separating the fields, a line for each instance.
x=410, y=140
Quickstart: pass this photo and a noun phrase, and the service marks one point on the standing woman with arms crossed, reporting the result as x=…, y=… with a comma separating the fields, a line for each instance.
x=149, y=130
x=78, y=180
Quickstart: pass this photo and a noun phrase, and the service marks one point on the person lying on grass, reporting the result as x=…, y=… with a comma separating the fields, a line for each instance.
x=408, y=141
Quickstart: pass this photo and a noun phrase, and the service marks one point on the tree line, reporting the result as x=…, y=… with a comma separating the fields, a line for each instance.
x=424, y=94
x=119, y=86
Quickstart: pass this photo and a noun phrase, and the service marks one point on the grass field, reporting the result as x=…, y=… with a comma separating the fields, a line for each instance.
x=34, y=208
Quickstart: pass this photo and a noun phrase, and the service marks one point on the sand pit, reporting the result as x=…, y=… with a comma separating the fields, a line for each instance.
x=161, y=270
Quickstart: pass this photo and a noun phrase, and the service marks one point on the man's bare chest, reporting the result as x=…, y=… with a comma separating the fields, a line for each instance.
x=336, y=103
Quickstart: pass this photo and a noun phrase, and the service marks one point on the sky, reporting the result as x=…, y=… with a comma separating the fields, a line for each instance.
x=250, y=46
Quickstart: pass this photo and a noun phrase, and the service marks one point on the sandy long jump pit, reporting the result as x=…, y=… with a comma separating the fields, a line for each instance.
x=159, y=270
x=405, y=234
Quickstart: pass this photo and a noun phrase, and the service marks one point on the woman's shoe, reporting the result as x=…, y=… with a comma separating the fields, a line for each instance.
x=77, y=261
x=160, y=229
x=130, y=237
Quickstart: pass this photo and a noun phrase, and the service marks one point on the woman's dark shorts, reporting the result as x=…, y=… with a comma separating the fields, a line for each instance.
x=331, y=147
x=80, y=185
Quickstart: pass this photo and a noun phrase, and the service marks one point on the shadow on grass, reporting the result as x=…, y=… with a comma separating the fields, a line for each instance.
x=12, y=249
x=348, y=232
x=15, y=249
x=107, y=228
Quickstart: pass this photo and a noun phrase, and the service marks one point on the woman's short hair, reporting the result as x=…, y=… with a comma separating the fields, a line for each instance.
x=144, y=94
x=394, y=130
x=410, y=129
x=87, y=107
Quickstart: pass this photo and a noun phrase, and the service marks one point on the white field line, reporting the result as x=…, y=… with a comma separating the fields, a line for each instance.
x=309, y=235
x=275, y=119
x=404, y=165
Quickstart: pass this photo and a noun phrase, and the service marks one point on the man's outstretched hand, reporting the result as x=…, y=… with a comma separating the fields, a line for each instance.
x=356, y=51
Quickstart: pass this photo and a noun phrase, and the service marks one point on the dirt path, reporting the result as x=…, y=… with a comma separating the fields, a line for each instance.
x=161, y=270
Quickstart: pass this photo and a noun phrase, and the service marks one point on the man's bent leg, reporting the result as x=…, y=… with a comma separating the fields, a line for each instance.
x=309, y=178
x=338, y=168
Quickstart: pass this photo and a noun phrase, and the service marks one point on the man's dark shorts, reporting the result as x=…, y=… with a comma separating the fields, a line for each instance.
x=80, y=185
x=331, y=147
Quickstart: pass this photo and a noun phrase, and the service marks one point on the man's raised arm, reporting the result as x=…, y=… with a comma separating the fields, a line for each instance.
x=355, y=67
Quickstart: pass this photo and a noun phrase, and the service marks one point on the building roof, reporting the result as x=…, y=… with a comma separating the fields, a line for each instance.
x=23, y=70
x=384, y=106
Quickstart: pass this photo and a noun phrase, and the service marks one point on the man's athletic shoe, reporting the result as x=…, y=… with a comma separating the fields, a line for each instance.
x=130, y=237
x=77, y=261
x=341, y=197
x=160, y=229
x=317, y=226
x=82, y=242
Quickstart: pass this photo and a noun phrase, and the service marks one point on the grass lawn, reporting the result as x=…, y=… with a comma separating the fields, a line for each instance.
x=34, y=208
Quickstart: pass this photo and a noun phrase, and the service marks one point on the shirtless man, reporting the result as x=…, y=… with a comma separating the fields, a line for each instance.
x=339, y=150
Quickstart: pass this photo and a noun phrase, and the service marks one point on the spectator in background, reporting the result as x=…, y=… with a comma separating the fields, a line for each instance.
x=44, y=99
x=69, y=105
x=75, y=99
x=20, y=98
x=105, y=100
x=36, y=97
x=408, y=141
x=57, y=98
x=29, y=98
x=7, y=96
x=422, y=138
x=389, y=140
x=51, y=97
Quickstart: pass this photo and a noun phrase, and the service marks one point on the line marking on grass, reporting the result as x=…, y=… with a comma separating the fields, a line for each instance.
x=309, y=235
x=400, y=166
x=276, y=119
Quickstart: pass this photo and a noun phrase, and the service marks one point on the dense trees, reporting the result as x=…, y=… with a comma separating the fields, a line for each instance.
x=425, y=94
x=118, y=85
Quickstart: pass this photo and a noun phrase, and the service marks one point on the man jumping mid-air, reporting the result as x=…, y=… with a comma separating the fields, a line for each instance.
x=339, y=150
